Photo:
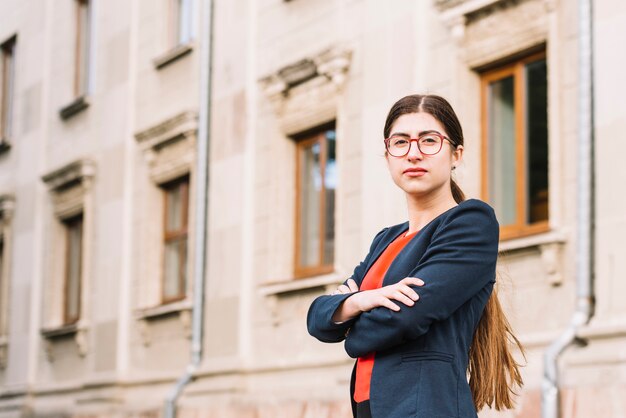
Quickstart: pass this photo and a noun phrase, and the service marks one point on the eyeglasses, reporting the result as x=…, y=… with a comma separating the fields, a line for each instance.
x=429, y=143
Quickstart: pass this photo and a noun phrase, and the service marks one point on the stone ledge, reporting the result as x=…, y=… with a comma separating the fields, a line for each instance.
x=5, y=145
x=606, y=329
x=550, y=237
x=59, y=330
x=145, y=316
x=172, y=55
x=76, y=106
x=69, y=174
x=280, y=288
x=4, y=351
x=155, y=312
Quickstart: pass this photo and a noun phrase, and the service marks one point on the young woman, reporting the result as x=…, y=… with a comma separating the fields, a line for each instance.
x=420, y=312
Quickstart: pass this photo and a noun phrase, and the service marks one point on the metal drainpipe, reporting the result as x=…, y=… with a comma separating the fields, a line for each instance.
x=551, y=405
x=200, y=229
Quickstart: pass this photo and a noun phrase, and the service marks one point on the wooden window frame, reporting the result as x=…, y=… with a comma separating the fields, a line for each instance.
x=81, y=61
x=68, y=224
x=3, y=288
x=177, y=235
x=301, y=145
x=7, y=87
x=515, y=69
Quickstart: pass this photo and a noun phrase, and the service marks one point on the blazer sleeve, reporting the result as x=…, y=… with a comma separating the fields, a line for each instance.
x=459, y=261
x=319, y=317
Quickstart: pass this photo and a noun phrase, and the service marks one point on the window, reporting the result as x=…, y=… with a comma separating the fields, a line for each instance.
x=515, y=145
x=73, y=268
x=83, y=37
x=7, y=83
x=180, y=33
x=176, y=196
x=316, y=180
x=3, y=295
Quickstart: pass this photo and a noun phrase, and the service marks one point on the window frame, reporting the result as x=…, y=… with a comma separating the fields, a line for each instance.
x=303, y=142
x=177, y=19
x=82, y=49
x=7, y=88
x=515, y=69
x=68, y=224
x=178, y=235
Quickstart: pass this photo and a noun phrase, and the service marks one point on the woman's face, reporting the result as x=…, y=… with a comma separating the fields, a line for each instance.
x=438, y=167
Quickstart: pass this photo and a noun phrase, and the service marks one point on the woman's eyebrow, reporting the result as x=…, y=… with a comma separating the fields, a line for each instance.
x=419, y=134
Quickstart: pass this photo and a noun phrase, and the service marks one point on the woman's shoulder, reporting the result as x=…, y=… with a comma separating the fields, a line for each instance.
x=475, y=205
x=472, y=214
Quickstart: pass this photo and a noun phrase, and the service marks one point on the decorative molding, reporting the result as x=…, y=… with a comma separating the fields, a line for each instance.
x=179, y=126
x=144, y=316
x=551, y=257
x=457, y=13
x=169, y=147
x=305, y=94
x=550, y=246
x=7, y=207
x=333, y=64
x=70, y=174
x=69, y=186
x=51, y=333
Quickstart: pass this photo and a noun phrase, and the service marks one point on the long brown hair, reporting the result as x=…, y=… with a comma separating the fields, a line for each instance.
x=493, y=372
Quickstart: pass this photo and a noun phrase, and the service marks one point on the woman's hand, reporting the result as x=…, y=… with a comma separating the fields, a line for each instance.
x=369, y=299
x=351, y=287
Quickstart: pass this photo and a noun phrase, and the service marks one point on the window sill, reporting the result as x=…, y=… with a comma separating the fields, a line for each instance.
x=172, y=55
x=77, y=331
x=550, y=237
x=5, y=145
x=76, y=106
x=550, y=245
x=145, y=316
x=4, y=351
x=159, y=311
x=60, y=330
x=331, y=280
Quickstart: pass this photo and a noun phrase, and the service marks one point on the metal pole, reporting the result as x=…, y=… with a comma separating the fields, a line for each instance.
x=200, y=228
x=584, y=222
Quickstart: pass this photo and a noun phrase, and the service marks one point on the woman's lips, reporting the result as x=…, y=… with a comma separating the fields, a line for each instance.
x=415, y=173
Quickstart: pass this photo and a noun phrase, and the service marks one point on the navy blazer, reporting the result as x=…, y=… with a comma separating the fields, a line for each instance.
x=422, y=350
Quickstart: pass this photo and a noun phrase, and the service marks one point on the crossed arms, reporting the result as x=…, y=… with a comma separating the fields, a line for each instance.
x=459, y=261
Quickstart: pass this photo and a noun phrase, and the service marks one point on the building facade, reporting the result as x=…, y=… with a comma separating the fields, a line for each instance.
x=99, y=126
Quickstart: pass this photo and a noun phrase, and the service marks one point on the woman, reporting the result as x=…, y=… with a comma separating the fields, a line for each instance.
x=420, y=312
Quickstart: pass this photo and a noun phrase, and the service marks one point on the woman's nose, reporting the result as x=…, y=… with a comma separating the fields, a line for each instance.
x=414, y=151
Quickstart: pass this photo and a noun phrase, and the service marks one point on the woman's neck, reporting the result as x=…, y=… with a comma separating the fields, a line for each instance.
x=423, y=210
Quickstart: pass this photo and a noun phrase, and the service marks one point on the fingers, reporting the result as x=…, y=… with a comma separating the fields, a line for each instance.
x=387, y=303
x=415, y=281
x=401, y=296
x=349, y=288
x=343, y=289
x=352, y=286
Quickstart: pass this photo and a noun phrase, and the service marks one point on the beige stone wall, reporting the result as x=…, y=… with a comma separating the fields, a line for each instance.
x=140, y=130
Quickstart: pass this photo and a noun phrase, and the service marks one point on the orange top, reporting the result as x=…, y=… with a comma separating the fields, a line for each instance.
x=373, y=280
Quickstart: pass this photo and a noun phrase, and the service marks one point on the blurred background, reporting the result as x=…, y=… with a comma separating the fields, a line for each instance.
x=179, y=179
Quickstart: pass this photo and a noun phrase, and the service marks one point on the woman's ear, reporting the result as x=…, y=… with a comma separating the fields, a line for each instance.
x=457, y=156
